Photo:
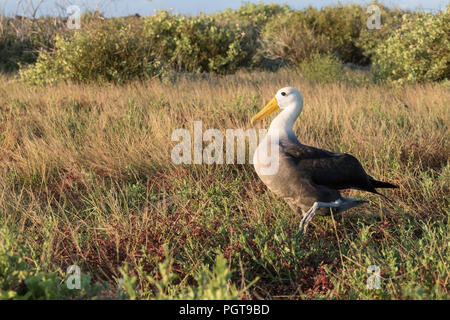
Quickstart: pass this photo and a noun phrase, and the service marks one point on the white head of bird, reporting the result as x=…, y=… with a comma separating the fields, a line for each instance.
x=290, y=101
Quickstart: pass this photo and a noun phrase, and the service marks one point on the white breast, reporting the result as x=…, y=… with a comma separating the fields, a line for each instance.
x=266, y=157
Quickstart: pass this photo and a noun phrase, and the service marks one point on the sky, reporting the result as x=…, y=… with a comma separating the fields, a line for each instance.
x=190, y=7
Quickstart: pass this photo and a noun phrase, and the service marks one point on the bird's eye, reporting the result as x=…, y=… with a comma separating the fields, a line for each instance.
x=283, y=93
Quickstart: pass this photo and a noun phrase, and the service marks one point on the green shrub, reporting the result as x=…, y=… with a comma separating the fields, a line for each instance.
x=294, y=36
x=369, y=39
x=251, y=19
x=341, y=25
x=322, y=69
x=257, y=15
x=289, y=39
x=418, y=51
x=110, y=50
x=21, y=38
x=196, y=44
x=13, y=52
x=254, y=36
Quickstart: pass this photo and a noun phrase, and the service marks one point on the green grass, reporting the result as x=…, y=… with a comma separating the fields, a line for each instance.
x=86, y=179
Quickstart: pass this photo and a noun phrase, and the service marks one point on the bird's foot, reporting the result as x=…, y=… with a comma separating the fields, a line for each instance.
x=341, y=204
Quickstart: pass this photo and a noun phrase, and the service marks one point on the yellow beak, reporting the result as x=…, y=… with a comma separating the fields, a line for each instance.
x=270, y=108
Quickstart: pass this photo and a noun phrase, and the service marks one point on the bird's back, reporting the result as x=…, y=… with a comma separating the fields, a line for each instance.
x=293, y=181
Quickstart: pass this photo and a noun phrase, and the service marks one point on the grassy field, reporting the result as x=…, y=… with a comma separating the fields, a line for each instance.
x=87, y=179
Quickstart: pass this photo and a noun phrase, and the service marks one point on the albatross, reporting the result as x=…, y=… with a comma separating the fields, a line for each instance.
x=309, y=179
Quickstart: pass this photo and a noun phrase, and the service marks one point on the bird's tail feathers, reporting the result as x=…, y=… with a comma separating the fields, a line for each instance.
x=382, y=184
x=384, y=196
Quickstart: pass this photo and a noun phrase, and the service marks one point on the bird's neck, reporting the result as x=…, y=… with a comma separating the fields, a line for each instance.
x=283, y=124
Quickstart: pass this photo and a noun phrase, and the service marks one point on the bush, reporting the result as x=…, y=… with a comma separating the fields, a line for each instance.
x=13, y=52
x=21, y=38
x=120, y=49
x=196, y=44
x=415, y=48
x=322, y=69
x=297, y=35
x=290, y=40
x=251, y=19
x=341, y=25
x=369, y=39
x=110, y=50
x=418, y=51
x=256, y=15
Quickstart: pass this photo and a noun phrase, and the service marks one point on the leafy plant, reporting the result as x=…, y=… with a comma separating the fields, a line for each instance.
x=418, y=51
x=110, y=50
x=341, y=25
x=20, y=281
x=13, y=268
x=289, y=39
x=196, y=44
x=322, y=69
x=370, y=39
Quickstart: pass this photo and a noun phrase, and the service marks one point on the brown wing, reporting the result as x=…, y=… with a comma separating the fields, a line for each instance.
x=300, y=151
x=333, y=170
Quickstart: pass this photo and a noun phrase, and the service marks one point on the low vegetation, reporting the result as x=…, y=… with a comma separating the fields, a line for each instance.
x=86, y=179
x=417, y=51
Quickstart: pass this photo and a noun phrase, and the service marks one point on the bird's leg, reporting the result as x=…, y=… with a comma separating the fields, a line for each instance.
x=347, y=203
x=311, y=212
x=307, y=217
